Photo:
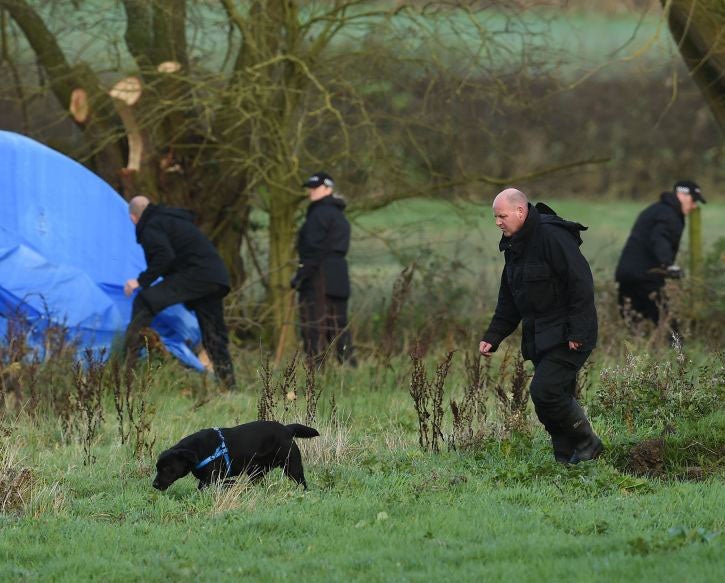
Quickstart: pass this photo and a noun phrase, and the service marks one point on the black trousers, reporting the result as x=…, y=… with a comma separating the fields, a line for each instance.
x=643, y=299
x=553, y=387
x=323, y=323
x=204, y=299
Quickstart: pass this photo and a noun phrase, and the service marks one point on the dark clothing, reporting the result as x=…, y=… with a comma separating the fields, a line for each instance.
x=172, y=244
x=322, y=279
x=323, y=321
x=652, y=245
x=554, y=384
x=547, y=285
x=193, y=275
x=205, y=300
x=638, y=301
x=322, y=243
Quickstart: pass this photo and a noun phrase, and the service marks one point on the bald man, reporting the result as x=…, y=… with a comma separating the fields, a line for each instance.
x=547, y=285
x=193, y=274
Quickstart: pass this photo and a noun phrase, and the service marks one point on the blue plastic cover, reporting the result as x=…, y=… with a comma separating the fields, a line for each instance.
x=67, y=246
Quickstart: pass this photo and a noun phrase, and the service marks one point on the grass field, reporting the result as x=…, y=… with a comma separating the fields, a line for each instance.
x=411, y=226
x=379, y=508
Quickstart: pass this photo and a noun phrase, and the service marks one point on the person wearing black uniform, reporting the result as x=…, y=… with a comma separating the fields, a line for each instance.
x=649, y=254
x=322, y=278
x=547, y=285
x=193, y=274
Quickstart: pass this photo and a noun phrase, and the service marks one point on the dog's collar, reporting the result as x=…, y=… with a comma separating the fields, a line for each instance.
x=220, y=451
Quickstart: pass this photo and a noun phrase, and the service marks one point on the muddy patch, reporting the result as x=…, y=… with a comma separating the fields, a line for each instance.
x=647, y=458
x=660, y=458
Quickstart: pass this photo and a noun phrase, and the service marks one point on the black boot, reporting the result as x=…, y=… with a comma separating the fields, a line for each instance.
x=587, y=445
x=563, y=447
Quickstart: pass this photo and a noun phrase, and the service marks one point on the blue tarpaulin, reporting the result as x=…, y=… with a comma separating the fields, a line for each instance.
x=66, y=248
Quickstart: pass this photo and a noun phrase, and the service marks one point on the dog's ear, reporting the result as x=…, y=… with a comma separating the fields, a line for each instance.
x=189, y=456
x=183, y=459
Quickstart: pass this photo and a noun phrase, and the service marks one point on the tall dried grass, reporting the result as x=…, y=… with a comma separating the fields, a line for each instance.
x=16, y=479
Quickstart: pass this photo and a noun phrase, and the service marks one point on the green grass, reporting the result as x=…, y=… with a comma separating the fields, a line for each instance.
x=378, y=508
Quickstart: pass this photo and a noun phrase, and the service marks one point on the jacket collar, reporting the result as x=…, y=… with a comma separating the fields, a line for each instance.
x=517, y=242
x=145, y=216
x=670, y=199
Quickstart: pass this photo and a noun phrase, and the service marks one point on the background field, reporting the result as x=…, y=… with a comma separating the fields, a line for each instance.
x=384, y=240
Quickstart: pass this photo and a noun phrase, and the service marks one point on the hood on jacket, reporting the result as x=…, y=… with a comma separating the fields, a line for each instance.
x=549, y=216
x=670, y=199
x=162, y=209
x=153, y=210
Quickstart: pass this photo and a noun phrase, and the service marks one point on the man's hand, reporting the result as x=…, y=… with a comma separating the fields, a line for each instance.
x=130, y=286
x=485, y=348
x=574, y=345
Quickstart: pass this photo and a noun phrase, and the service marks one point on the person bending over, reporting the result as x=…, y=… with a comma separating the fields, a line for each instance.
x=193, y=274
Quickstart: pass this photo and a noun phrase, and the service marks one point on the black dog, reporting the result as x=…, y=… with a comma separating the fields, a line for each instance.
x=216, y=454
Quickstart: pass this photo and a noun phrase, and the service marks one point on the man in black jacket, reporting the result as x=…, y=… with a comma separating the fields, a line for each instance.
x=547, y=285
x=193, y=275
x=322, y=278
x=649, y=255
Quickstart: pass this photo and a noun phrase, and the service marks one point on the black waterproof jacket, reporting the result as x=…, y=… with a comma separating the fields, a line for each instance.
x=653, y=243
x=173, y=245
x=547, y=285
x=322, y=243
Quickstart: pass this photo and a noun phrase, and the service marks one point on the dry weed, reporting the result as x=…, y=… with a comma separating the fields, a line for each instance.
x=45, y=500
x=16, y=480
x=333, y=446
x=236, y=494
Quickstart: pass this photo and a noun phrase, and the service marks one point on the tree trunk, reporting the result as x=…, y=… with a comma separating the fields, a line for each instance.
x=696, y=260
x=698, y=28
x=281, y=268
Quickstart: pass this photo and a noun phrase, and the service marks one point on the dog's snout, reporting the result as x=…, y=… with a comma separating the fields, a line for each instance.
x=158, y=485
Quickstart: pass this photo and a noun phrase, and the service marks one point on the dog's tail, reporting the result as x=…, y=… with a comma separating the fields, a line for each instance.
x=297, y=430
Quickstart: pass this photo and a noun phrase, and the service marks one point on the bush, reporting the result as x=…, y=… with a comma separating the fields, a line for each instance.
x=655, y=392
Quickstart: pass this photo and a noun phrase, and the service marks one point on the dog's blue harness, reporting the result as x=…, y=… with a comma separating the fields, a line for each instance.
x=220, y=451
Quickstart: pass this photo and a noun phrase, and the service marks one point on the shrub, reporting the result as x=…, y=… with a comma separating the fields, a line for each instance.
x=655, y=392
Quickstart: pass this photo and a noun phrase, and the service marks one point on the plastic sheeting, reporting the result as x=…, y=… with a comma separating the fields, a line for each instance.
x=66, y=248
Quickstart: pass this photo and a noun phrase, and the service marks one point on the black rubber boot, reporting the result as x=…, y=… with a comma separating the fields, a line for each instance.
x=587, y=445
x=563, y=447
